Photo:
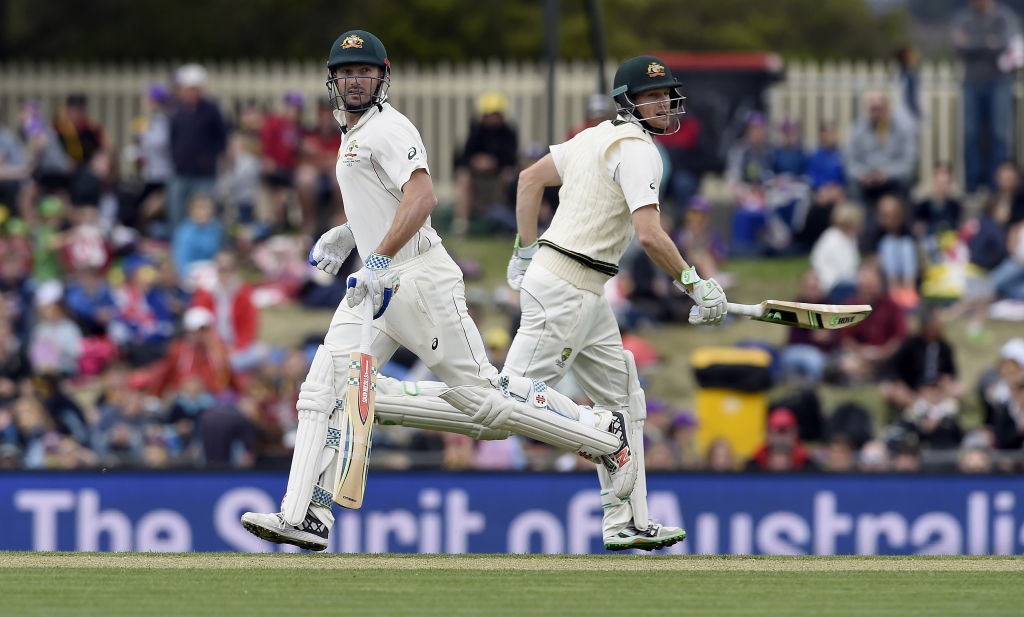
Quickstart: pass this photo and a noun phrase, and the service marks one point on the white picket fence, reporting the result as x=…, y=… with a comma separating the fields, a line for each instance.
x=440, y=99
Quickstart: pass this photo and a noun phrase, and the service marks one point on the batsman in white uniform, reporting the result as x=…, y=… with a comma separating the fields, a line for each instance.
x=385, y=182
x=609, y=176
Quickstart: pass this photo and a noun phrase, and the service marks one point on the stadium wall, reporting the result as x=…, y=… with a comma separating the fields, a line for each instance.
x=519, y=513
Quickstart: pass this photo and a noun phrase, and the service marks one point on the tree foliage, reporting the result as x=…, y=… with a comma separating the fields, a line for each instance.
x=432, y=30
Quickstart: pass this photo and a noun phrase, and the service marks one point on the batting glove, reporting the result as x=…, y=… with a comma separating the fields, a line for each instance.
x=375, y=278
x=332, y=249
x=709, y=298
x=521, y=258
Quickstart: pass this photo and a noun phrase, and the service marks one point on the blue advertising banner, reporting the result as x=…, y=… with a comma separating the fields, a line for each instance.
x=520, y=513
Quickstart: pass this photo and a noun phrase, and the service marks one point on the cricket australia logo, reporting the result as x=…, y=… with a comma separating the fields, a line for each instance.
x=655, y=70
x=351, y=150
x=352, y=42
x=560, y=363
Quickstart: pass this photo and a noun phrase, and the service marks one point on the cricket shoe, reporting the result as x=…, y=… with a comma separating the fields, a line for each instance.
x=310, y=534
x=621, y=464
x=651, y=539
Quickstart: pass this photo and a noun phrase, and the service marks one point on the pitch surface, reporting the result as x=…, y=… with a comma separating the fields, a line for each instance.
x=253, y=585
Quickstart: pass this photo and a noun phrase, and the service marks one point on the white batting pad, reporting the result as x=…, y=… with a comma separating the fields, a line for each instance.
x=417, y=405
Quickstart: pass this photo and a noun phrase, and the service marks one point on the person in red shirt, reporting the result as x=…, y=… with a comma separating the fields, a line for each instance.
x=236, y=318
x=871, y=343
x=280, y=137
x=314, y=176
x=783, y=440
x=199, y=354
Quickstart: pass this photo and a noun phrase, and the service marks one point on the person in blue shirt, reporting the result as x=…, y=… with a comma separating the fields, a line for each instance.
x=790, y=157
x=199, y=237
x=90, y=301
x=825, y=165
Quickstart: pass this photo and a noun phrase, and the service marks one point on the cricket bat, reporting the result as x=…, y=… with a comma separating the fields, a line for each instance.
x=357, y=425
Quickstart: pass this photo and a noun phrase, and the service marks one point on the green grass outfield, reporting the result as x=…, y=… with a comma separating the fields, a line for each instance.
x=421, y=585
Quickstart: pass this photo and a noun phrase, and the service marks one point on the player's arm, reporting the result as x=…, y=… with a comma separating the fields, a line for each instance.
x=418, y=201
x=657, y=244
x=529, y=195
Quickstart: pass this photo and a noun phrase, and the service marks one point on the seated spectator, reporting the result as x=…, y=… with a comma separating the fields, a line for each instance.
x=14, y=364
x=47, y=240
x=748, y=171
x=53, y=167
x=683, y=447
x=1009, y=192
x=940, y=212
x=15, y=169
x=687, y=151
x=144, y=322
x=199, y=237
x=118, y=436
x=1005, y=398
x=720, y=457
x=200, y=353
x=826, y=174
x=975, y=455
x=869, y=344
x=280, y=138
x=186, y=408
x=906, y=456
x=790, y=158
x=701, y=245
x=315, y=181
x=986, y=244
x=840, y=457
x=81, y=136
x=239, y=186
x=56, y=342
x=487, y=165
x=90, y=302
x=882, y=153
x=599, y=109
x=782, y=449
x=85, y=244
x=835, y=256
x=1007, y=279
x=873, y=458
x=229, y=437
x=806, y=355
x=236, y=318
x=153, y=137
x=897, y=252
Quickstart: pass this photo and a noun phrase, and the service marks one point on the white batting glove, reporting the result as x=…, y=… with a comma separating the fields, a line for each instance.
x=709, y=298
x=332, y=249
x=375, y=278
x=521, y=258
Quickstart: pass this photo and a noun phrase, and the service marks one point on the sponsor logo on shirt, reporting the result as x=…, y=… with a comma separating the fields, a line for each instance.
x=412, y=153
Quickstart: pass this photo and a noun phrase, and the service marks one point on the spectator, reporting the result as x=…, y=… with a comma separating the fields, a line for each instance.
x=90, y=301
x=599, y=109
x=81, y=136
x=869, y=344
x=119, y=434
x=14, y=365
x=789, y=157
x=1007, y=279
x=506, y=217
x=487, y=165
x=840, y=454
x=53, y=166
x=940, y=212
x=701, y=245
x=1005, y=398
x=239, y=186
x=897, y=252
x=47, y=240
x=85, y=245
x=145, y=321
x=1009, y=192
x=687, y=153
x=683, y=447
x=15, y=169
x=827, y=177
x=156, y=167
x=782, y=449
x=229, y=437
x=982, y=35
x=975, y=455
x=835, y=256
x=197, y=139
x=907, y=457
x=748, y=171
x=720, y=457
x=907, y=107
x=314, y=177
x=280, y=138
x=200, y=353
x=199, y=237
x=236, y=318
x=986, y=244
x=806, y=356
x=873, y=458
x=185, y=410
x=56, y=342
x=882, y=153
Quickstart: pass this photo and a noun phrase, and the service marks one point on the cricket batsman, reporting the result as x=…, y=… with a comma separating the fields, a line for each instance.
x=388, y=194
x=609, y=176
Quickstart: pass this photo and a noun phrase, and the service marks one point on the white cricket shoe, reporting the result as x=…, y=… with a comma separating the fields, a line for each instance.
x=310, y=534
x=620, y=464
x=651, y=539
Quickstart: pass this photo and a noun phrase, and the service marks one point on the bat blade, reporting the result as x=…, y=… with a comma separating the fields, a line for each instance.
x=810, y=316
x=358, y=429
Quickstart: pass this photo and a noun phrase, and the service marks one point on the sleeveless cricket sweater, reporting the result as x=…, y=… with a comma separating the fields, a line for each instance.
x=593, y=224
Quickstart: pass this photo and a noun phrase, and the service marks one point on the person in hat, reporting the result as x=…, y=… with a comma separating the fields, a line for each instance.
x=156, y=167
x=783, y=438
x=389, y=196
x=200, y=353
x=487, y=165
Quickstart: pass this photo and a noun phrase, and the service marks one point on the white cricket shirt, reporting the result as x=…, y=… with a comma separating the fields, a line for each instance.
x=377, y=158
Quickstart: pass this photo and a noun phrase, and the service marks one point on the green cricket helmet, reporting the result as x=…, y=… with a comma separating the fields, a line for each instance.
x=641, y=74
x=357, y=47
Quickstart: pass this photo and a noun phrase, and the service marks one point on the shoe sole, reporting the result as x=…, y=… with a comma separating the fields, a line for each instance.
x=271, y=535
x=646, y=545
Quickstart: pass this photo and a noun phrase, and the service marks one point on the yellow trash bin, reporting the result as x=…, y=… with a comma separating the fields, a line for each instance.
x=731, y=403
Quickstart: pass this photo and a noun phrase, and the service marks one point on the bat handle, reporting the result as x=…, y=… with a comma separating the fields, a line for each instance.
x=366, y=338
x=750, y=310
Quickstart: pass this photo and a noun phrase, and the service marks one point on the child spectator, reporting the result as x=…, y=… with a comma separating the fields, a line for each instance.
x=835, y=256
x=941, y=211
x=897, y=252
x=199, y=237
x=56, y=342
x=84, y=244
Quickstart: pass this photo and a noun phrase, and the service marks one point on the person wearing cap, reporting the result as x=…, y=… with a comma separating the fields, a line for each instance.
x=279, y=139
x=487, y=165
x=55, y=344
x=198, y=138
x=610, y=177
x=783, y=438
x=156, y=167
x=599, y=109
x=1004, y=397
x=414, y=294
x=200, y=353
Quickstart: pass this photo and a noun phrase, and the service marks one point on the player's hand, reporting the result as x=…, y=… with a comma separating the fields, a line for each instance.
x=710, y=301
x=332, y=249
x=377, y=279
x=521, y=258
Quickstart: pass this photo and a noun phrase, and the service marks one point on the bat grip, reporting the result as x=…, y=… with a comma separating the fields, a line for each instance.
x=366, y=338
x=750, y=310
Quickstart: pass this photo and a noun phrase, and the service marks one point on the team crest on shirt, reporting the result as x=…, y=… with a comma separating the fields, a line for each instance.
x=655, y=70
x=350, y=153
x=352, y=42
x=565, y=356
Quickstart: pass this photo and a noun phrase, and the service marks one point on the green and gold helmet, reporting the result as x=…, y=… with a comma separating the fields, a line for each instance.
x=346, y=92
x=641, y=74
